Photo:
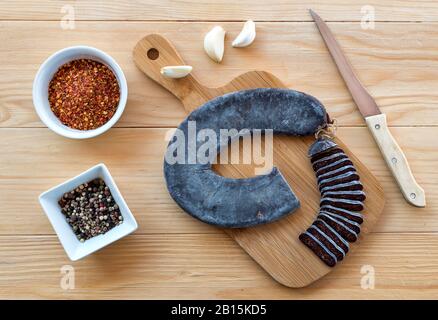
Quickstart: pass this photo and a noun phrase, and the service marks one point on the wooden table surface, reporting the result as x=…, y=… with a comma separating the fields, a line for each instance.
x=172, y=255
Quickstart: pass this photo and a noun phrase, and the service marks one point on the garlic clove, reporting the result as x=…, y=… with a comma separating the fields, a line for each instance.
x=246, y=36
x=176, y=72
x=214, y=43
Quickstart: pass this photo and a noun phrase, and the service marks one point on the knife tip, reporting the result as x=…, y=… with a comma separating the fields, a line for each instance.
x=313, y=14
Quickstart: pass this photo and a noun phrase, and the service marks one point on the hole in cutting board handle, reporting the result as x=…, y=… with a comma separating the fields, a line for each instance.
x=153, y=54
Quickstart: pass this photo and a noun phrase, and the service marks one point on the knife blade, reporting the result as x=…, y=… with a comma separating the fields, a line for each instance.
x=375, y=120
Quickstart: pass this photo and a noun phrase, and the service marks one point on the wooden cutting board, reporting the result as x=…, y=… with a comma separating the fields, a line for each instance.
x=274, y=246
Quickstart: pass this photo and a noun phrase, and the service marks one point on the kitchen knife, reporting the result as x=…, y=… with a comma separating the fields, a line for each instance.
x=375, y=120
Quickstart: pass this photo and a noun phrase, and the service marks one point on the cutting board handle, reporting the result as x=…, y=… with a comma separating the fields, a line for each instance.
x=154, y=52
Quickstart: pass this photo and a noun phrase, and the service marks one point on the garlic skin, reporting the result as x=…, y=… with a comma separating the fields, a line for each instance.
x=214, y=43
x=246, y=36
x=176, y=72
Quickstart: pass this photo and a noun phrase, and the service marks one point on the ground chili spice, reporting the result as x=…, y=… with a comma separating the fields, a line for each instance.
x=90, y=209
x=84, y=94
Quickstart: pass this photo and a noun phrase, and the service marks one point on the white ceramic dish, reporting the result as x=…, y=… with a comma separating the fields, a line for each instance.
x=72, y=246
x=45, y=74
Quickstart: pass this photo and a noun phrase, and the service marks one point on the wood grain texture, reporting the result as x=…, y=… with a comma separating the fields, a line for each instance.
x=398, y=63
x=277, y=10
x=34, y=160
x=210, y=267
x=275, y=246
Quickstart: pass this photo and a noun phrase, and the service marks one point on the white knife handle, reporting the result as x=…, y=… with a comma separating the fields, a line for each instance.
x=396, y=160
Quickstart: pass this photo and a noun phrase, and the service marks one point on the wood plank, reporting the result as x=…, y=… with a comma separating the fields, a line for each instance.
x=33, y=160
x=398, y=63
x=171, y=266
x=272, y=10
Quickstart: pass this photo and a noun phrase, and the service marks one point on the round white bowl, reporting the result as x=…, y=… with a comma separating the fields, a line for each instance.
x=45, y=74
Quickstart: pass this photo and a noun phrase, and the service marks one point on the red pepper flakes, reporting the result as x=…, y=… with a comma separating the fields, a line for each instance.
x=84, y=94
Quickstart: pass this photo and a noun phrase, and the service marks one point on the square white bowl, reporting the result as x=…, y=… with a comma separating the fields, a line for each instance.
x=73, y=247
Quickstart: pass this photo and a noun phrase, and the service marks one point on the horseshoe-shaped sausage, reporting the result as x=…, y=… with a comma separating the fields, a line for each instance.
x=342, y=196
x=226, y=202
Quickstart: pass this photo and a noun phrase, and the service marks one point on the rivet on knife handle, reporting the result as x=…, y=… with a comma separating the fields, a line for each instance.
x=396, y=160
